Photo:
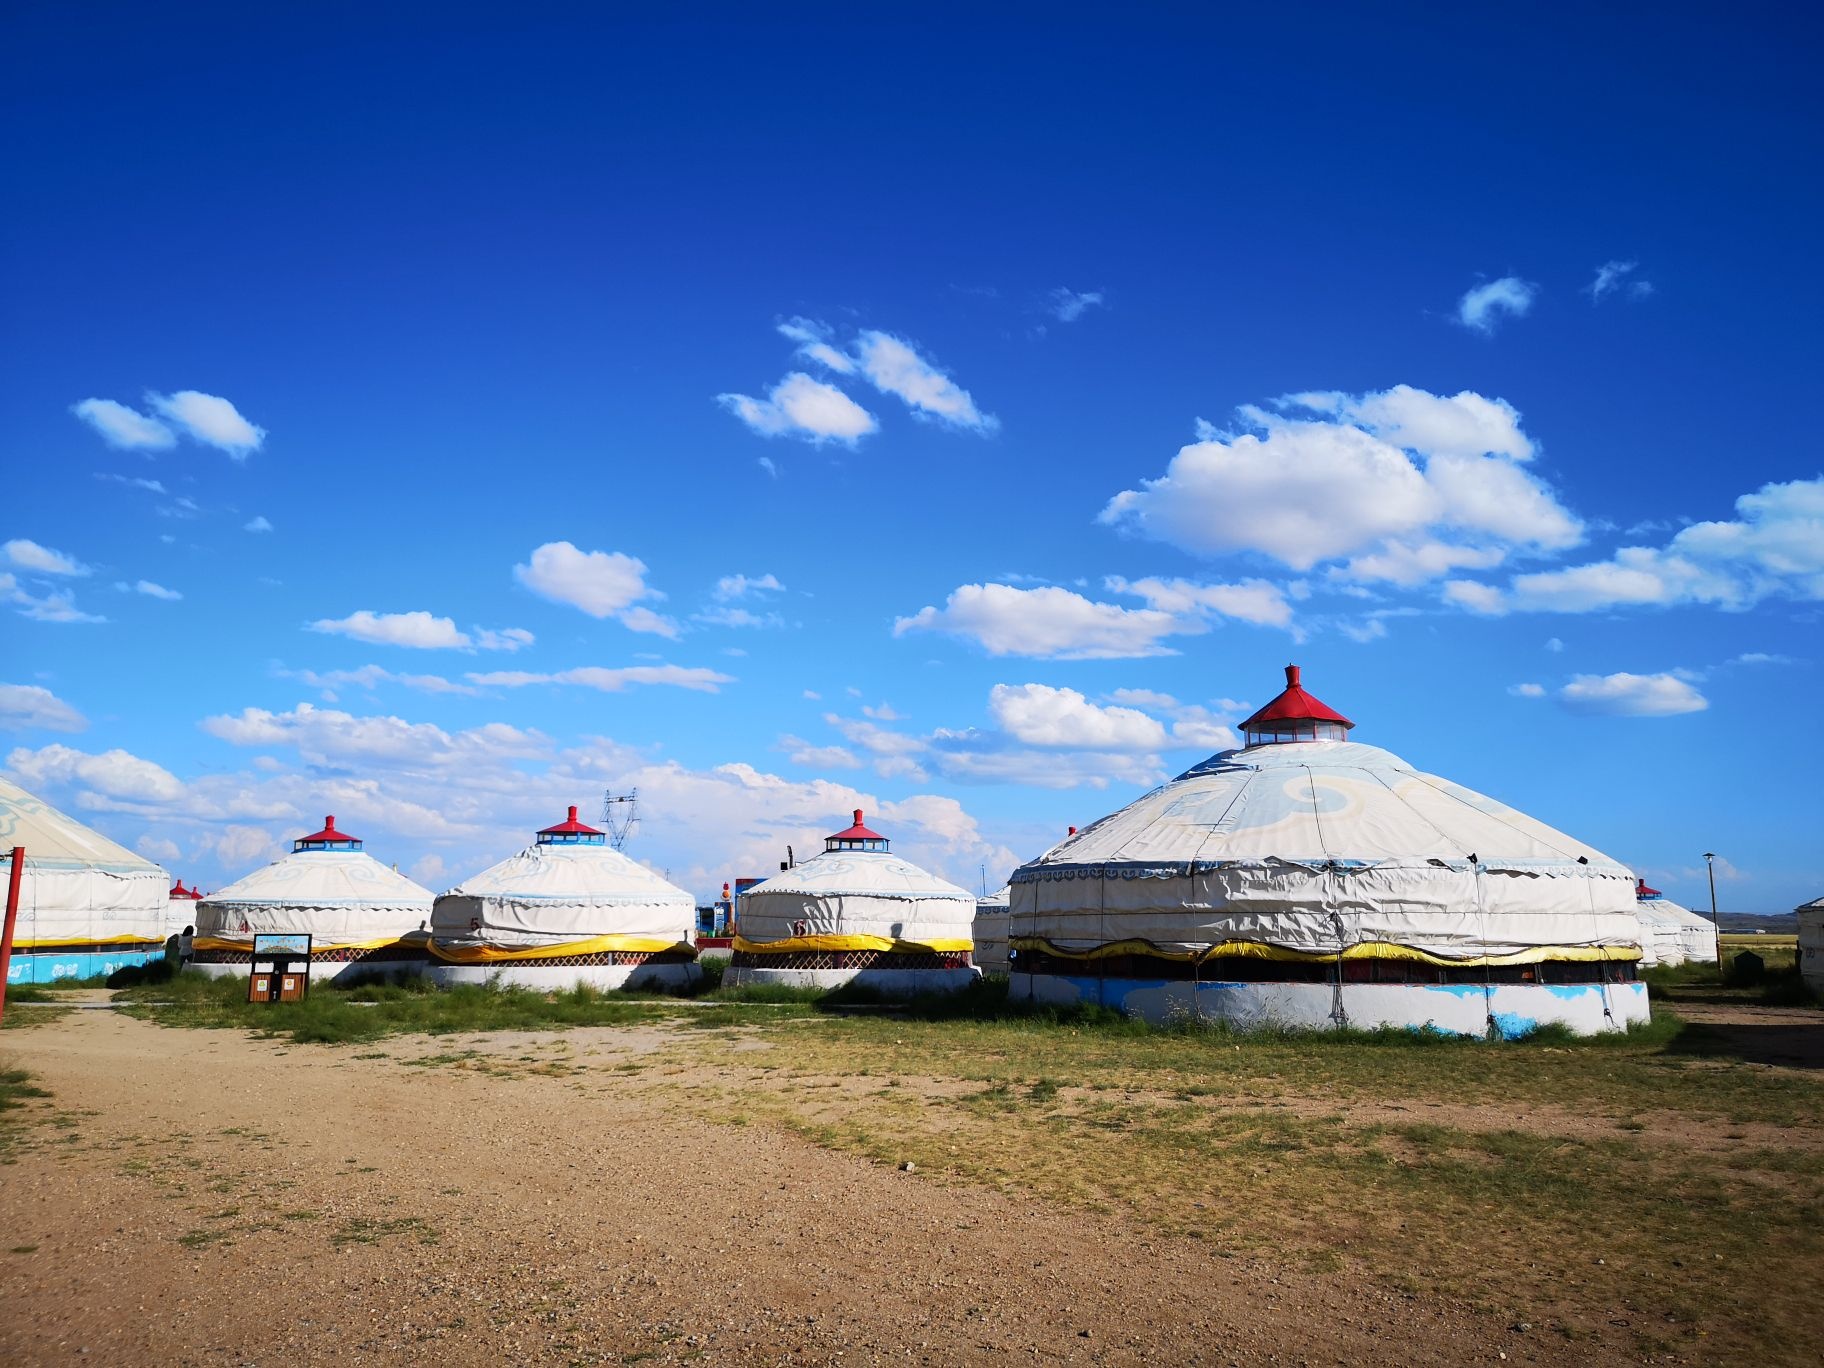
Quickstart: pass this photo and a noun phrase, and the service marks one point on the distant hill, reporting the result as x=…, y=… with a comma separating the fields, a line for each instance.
x=1745, y=923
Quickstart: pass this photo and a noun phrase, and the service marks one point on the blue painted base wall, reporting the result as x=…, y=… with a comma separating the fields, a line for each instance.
x=35, y=968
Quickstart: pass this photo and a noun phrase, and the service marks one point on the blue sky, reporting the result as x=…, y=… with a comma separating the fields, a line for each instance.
x=440, y=419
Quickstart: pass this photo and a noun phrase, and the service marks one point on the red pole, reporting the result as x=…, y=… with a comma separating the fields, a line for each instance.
x=12, y=916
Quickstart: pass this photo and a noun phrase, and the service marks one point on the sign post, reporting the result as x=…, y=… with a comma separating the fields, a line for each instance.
x=12, y=917
x=281, y=967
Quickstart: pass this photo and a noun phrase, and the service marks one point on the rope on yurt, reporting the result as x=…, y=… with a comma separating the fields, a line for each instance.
x=1488, y=974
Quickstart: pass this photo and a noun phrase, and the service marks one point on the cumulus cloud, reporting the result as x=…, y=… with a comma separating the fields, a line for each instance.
x=893, y=365
x=1048, y=623
x=1612, y=279
x=257, y=524
x=617, y=680
x=150, y=590
x=729, y=616
x=210, y=420
x=1406, y=483
x=418, y=630
x=324, y=736
x=132, y=482
x=814, y=344
x=812, y=756
x=1255, y=600
x=56, y=606
x=799, y=406
x=742, y=586
x=124, y=427
x=506, y=639
x=1527, y=690
x=42, y=560
x=115, y=774
x=159, y=849
x=31, y=707
x=1632, y=695
x=1040, y=715
x=1773, y=548
x=370, y=677
x=1067, y=305
x=604, y=584
x=1483, y=306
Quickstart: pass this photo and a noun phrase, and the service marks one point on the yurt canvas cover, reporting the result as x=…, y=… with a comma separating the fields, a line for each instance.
x=80, y=891
x=343, y=897
x=1318, y=848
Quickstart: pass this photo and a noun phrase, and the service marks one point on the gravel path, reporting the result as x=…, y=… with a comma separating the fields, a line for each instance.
x=220, y=1199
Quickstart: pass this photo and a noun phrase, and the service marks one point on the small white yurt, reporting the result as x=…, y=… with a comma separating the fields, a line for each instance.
x=363, y=918
x=1661, y=932
x=86, y=905
x=1307, y=880
x=1696, y=934
x=567, y=909
x=1811, y=943
x=990, y=932
x=855, y=914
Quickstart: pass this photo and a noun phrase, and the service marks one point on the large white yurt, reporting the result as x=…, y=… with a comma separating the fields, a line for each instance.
x=1696, y=934
x=86, y=905
x=855, y=914
x=567, y=909
x=364, y=918
x=1308, y=880
x=1811, y=943
x=1661, y=933
x=990, y=932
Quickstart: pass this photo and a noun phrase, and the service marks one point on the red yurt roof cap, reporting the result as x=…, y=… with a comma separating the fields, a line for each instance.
x=570, y=827
x=330, y=834
x=179, y=891
x=1295, y=705
x=1642, y=891
x=858, y=832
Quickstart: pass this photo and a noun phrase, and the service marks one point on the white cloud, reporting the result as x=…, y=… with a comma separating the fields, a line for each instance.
x=1381, y=477
x=894, y=366
x=740, y=586
x=430, y=871
x=1632, y=695
x=370, y=677
x=813, y=340
x=1774, y=548
x=26, y=707
x=210, y=420
x=1254, y=600
x=150, y=590
x=132, y=482
x=123, y=427
x=238, y=846
x=1476, y=597
x=738, y=617
x=506, y=639
x=694, y=677
x=1554, y=645
x=802, y=752
x=1039, y=715
x=324, y=736
x=1762, y=658
x=882, y=713
x=258, y=524
x=1482, y=306
x=799, y=406
x=603, y=584
x=1527, y=690
x=1612, y=278
x=59, y=606
x=1067, y=305
x=417, y=630
x=114, y=774
x=159, y=849
x=42, y=560
x=1048, y=623
x=1193, y=724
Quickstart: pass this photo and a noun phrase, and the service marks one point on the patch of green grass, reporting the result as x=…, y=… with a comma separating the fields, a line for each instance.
x=17, y=1088
x=363, y=1230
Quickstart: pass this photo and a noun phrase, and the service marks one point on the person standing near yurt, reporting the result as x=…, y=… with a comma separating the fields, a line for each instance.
x=1308, y=880
x=86, y=905
x=855, y=914
x=567, y=909
x=363, y=918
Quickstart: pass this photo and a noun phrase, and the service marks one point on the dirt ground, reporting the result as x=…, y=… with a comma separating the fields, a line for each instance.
x=202, y=1197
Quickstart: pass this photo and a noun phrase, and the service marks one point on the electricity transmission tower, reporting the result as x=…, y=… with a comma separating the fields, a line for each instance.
x=620, y=815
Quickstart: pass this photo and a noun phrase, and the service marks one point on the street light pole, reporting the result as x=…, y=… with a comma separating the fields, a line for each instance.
x=1715, y=921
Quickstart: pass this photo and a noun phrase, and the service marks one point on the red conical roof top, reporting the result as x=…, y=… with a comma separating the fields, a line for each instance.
x=858, y=832
x=179, y=891
x=330, y=835
x=570, y=827
x=1295, y=705
x=1642, y=891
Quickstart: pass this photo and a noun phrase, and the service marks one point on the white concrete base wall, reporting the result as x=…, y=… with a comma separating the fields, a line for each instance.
x=894, y=983
x=323, y=973
x=554, y=977
x=1514, y=1008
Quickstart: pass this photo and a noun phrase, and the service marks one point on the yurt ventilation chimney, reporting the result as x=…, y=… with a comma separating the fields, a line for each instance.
x=857, y=837
x=327, y=839
x=1295, y=716
x=571, y=832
